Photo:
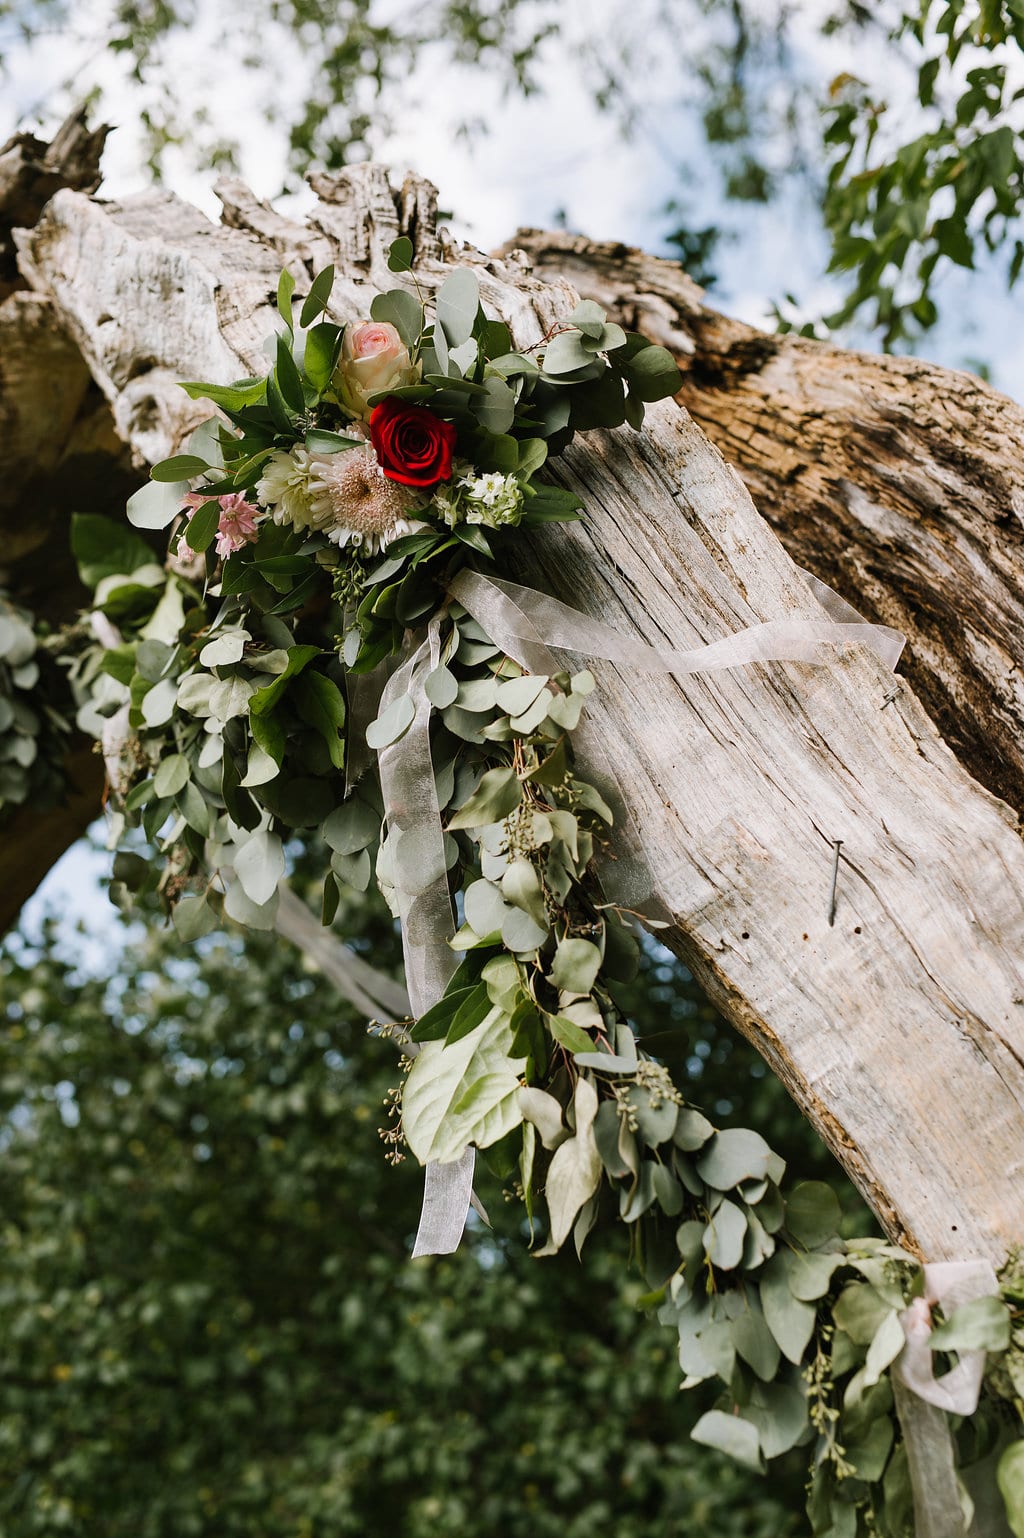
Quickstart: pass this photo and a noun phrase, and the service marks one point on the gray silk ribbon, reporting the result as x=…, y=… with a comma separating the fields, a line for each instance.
x=923, y=1402
x=524, y=624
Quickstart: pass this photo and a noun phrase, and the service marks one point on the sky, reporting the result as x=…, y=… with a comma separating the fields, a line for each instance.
x=552, y=157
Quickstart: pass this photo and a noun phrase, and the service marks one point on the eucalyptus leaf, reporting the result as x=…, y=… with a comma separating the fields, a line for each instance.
x=732, y=1435
x=733, y=1155
x=813, y=1213
x=576, y=965
x=1010, y=1478
x=723, y=1236
x=392, y=725
x=886, y=1344
x=575, y=1170
x=982, y=1324
x=192, y=917
x=171, y=775
x=154, y=505
x=545, y=1113
x=790, y=1320
x=497, y=794
x=458, y=300
x=259, y=866
x=401, y=310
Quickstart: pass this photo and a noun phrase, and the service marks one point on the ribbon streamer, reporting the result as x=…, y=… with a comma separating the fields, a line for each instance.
x=524, y=624
x=924, y=1401
x=416, y=842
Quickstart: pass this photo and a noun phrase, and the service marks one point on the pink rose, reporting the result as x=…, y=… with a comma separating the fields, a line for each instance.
x=373, y=358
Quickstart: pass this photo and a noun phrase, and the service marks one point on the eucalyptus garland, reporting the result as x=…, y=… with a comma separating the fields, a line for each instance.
x=33, y=727
x=317, y=526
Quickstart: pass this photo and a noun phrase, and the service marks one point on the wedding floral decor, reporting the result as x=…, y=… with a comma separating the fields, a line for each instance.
x=329, y=648
x=33, y=729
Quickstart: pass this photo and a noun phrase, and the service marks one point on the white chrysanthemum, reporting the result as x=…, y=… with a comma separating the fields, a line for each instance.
x=286, y=488
x=356, y=504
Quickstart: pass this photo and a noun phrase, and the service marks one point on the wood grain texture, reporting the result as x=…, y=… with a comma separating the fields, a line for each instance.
x=900, y=1030
x=899, y=483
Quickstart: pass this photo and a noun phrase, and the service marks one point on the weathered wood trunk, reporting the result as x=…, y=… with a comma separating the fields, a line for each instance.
x=899, y=483
x=900, y=1029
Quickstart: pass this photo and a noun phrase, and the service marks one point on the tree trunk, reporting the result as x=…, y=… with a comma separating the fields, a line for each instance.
x=899, y=1029
x=898, y=483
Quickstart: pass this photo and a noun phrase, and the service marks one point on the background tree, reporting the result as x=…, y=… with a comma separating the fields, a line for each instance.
x=901, y=123
x=209, y=1325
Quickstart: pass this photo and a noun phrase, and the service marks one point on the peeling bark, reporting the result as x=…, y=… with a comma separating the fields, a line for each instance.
x=900, y=1030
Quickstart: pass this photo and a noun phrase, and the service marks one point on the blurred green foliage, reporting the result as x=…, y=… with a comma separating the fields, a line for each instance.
x=208, y=1321
x=916, y=167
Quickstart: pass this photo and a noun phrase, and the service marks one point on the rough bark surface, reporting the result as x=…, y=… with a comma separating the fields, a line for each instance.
x=899, y=483
x=900, y=1030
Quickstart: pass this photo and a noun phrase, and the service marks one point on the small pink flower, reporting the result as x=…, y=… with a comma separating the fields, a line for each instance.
x=195, y=500
x=237, y=523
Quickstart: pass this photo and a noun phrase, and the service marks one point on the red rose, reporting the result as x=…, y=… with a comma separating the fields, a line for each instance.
x=413, y=446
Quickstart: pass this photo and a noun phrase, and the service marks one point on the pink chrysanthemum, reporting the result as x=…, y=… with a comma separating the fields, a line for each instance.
x=366, y=508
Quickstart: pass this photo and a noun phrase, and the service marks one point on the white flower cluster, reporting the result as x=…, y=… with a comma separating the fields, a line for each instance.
x=492, y=499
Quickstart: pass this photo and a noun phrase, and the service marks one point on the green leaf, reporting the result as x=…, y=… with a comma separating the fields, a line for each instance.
x=154, y=505
x=171, y=775
x=319, y=702
x=320, y=441
x=192, y=917
x=520, y=886
x=732, y=1435
x=289, y=381
x=202, y=526
x=266, y=698
x=569, y=1035
x=441, y=688
x=734, y=1155
x=565, y=353
x=860, y=1310
x=496, y=795
x=321, y=355
x=790, y=1321
x=230, y=398
x=434, y=1023
x=259, y=866
x=458, y=300
x=983, y=1324
x=652, y=374
x=813, y=1213
x=724, y=1235
x=575, y=1170
x=1010, y=1478
x=352, y=826
x=470, y=1013
x=755, y=1343
x=401, y=310
x=393, y=724
x=400, y=254
x=464, y=1093
x=886, y=1344
x=180, y=467
x=316, y=299
x=103, y=548
x=589, y=318
x=267, y=733
x=285, y=290
x=575, y=967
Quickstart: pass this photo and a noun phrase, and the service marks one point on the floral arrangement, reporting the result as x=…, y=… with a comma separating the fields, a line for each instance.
x=310, y=644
